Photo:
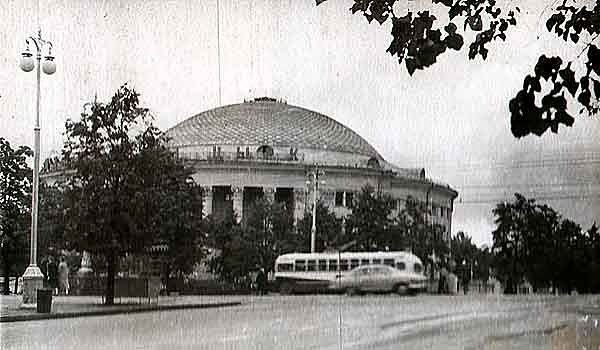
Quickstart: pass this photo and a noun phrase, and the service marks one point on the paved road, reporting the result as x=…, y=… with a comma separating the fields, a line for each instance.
x=313, y=322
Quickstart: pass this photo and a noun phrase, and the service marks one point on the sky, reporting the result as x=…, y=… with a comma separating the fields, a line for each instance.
x=185, y=57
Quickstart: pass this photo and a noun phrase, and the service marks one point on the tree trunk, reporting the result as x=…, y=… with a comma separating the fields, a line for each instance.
x=16, y=285
x=110, y=279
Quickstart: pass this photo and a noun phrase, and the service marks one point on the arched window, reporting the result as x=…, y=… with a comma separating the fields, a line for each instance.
x=264, y=152
x=373, y=163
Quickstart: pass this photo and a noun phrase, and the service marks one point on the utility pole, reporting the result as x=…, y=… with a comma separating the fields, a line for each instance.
x=315, y=182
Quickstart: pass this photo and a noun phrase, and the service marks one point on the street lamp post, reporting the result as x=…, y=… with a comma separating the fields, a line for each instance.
x=313, y=231
x=33, y=279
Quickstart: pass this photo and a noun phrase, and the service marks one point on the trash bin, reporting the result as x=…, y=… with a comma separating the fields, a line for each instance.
x=44, y=300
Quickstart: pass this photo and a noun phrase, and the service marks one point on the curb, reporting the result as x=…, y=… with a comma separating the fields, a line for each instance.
x=50, y=316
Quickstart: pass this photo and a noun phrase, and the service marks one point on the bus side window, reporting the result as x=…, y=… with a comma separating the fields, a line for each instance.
x=376, y=261
x=285, y=267
x=365, y=262
x=353, y=263
x=300, y=265
x=388, y=262
x=400, y=265
x=343, y=265
x=418, y=268
x=311, y=265
x=322, y=265
x=332, y=265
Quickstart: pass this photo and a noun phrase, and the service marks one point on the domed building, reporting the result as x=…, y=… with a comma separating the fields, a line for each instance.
x=269, y=148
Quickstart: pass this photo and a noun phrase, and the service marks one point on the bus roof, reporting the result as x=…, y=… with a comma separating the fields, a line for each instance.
x=349, y=255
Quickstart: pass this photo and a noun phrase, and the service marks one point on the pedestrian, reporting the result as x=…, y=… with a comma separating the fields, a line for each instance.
x=63, y=277
x=261, y=281
x=52, y=270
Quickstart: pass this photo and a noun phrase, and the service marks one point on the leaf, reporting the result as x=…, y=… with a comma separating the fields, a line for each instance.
x=594, y=59
x=450, y=28
x=454, y=42
x=411, y=65
x=596, y=88
x=574, y=37
x=484, y=52
x=584, y=98
x=475, y=22
x=568, y=77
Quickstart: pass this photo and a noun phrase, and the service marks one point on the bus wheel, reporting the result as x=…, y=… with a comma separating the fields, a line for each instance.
x=286, y=288
x=401, y=289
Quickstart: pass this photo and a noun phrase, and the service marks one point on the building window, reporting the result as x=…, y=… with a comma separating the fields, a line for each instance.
x=339, y=199
x=434, y=210
x=264, y=152
x=373, y=163
x=349, y=198
x=442, y=210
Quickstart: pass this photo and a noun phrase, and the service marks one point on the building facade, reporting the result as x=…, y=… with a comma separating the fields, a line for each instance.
x=268, y=148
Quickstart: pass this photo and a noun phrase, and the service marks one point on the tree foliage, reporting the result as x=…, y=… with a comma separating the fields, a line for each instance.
x=528, y=233
x=122, y=167
x=329, y=229
x=15, y=204
x=179, y=221
x=423, y=237
x=370, y=223
x=268, y=232
x=418, y=40
x=52, y=220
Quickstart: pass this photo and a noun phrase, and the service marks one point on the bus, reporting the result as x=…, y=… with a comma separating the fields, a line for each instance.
x=321, y=272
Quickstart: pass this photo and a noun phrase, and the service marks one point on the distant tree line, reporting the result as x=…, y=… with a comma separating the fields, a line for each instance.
x=534, y=243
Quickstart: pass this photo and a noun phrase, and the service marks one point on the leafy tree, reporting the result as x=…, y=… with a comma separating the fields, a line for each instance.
x=180, y=218
x=464, y=253
x=418, y=40
x=589, y=269
x=370, y=223
x=15, y=201
x=483, y=264
x=329, y=229
x=270, y=232
x=412, y=229
x=121, y=162
x=232, y=259
x=52, y=221
x=528, y=233
x=509, y=245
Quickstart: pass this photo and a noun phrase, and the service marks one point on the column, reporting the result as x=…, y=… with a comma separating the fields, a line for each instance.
x=269, y=193
x=299, y=204
x=207, y=201
x=238, y=202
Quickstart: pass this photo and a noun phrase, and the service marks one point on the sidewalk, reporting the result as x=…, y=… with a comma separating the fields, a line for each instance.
x=79, y=306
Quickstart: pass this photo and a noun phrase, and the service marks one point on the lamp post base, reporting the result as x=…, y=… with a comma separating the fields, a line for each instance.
x=33, y=279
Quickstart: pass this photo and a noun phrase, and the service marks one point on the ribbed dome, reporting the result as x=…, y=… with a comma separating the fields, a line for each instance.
x=268, y=122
